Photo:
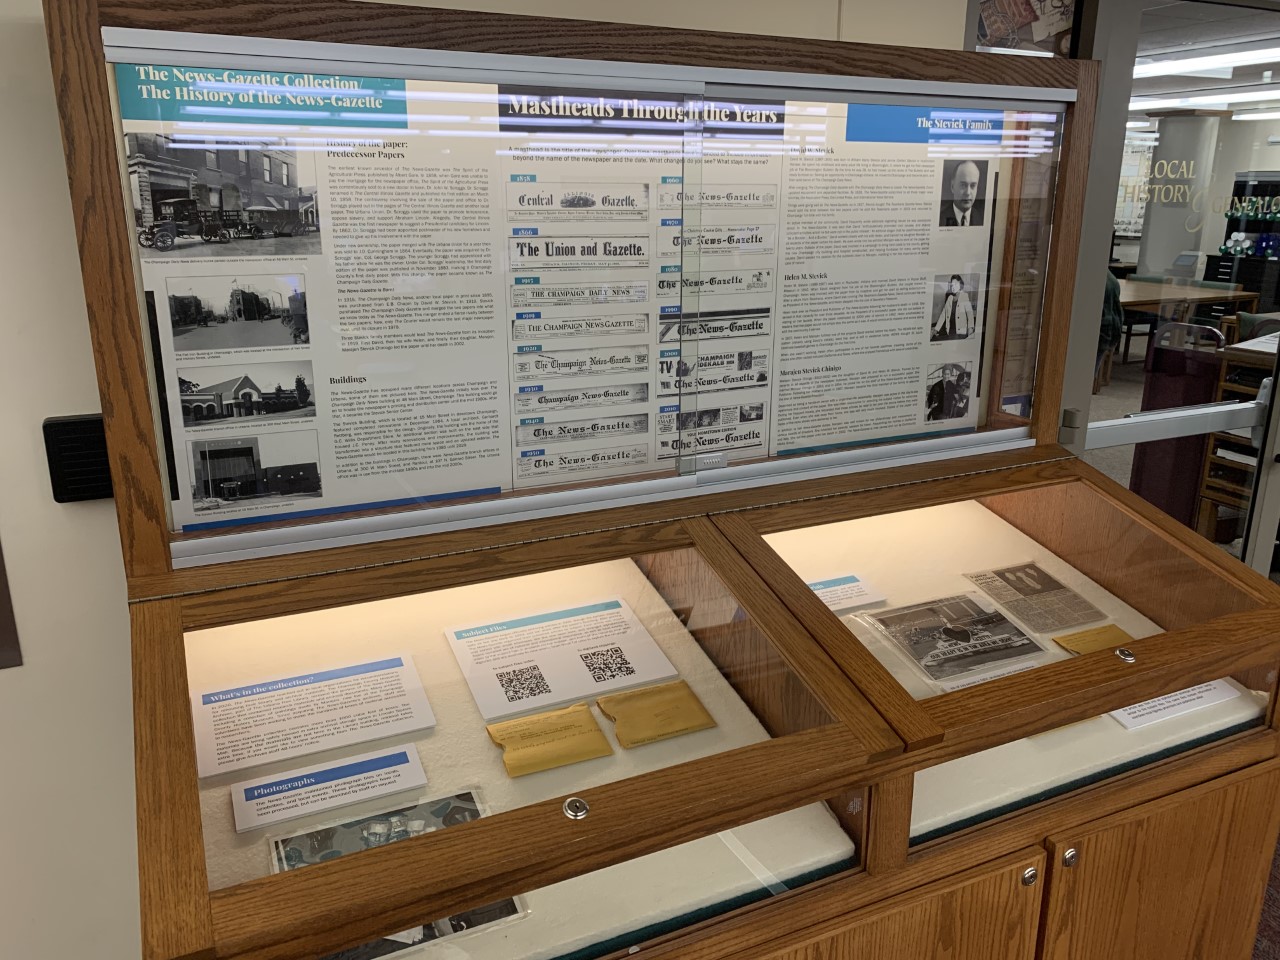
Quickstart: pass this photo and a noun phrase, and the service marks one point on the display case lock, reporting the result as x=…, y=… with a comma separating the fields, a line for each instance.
x=1070, y=856
x=1030, y=876
x=1127, y=655
x=575, y=808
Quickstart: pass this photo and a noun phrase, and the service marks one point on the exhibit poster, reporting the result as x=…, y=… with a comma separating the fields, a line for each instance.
x=369, y=292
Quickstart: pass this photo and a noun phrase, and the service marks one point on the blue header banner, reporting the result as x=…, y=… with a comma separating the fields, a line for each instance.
x=539, y=618
x=884, y=123
x=304, y=680
x=150, y=91
x=828, y=584
x=317, y=777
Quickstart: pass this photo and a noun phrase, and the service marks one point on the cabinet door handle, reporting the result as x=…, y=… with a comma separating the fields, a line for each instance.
x=1070, y=856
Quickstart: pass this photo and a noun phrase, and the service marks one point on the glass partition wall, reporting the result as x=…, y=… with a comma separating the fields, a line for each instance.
x=1191, y=311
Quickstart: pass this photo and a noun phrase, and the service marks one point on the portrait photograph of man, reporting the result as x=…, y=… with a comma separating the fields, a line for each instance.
x=953, y=316
x=963, y=193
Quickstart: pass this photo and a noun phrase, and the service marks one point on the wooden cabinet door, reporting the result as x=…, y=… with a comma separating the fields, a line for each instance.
x=1181, y=878
x=988, y=913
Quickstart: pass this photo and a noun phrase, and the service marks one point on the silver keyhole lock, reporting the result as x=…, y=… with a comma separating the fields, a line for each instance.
x=1030, y=876
x=575, y=808
x=1127, y=655
x=1070, y=856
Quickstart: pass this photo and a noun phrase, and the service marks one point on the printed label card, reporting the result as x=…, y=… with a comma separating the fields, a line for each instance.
x=548, y=659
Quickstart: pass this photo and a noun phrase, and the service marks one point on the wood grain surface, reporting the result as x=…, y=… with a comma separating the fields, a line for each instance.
x=1064, y=253
x=889, y=824
x=790, y=679
x=364, y=895
x=1178, y=879
x=173, y=885
x=1063, y=692
x=394, y=25
x=986, y=913
x=908, y=720
x=749, y=931
x=106, y=243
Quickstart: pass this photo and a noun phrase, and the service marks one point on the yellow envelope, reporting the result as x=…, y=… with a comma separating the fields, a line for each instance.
x=655, y=713
x=1106, y=637
x=556, y=738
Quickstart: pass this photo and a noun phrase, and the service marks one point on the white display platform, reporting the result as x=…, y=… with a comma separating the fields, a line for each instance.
x=459, y=756
x=922, y=554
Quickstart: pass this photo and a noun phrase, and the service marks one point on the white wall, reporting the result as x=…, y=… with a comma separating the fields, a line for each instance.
x=67, y=846
x=68, y=884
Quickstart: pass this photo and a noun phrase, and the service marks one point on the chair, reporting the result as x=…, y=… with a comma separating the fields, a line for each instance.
x=1253, y=325
x=1169, y=311
x=1133, y=319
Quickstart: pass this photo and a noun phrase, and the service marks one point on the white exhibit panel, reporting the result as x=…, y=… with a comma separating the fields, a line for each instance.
x=464, y=766
x=927, y=559
x=380, y=290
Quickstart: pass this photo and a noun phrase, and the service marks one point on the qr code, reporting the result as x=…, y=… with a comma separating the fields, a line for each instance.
x=523, y=683
x=608, y=664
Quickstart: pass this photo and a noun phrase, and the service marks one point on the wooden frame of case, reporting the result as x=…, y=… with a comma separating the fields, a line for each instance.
x=882, y=736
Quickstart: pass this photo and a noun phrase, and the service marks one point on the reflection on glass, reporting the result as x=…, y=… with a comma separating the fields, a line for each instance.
x=536, y=687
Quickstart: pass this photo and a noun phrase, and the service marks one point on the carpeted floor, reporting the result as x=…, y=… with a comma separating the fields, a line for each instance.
x=1268, y=945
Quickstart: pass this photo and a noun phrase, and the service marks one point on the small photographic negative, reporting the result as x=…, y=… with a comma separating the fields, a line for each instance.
x=320, y=845
x=946, y=394
x=259, y=391
x=964, y=199
x=954, y=636
x=222, y=197
x=953, y=316
x=248, y=470
x=230, y=313
x=750, y=412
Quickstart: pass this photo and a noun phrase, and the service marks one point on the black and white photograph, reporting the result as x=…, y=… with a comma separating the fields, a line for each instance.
x=320, y=845
x=751, y=412
x=237, y=313
x=259, y=391
x=240, y=471
x=963, y=198
x=953, y=315
x=221, y=197
x=1039, y=601
x=946, y=394
x=953, y=636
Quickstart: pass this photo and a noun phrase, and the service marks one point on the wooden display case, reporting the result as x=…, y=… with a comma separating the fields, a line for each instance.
x=1035, y=877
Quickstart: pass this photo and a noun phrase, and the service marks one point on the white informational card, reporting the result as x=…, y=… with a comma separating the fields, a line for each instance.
x=841, y=592
x=309, y=790
x=1176, y=704
x=547, y=659
x=278, y=718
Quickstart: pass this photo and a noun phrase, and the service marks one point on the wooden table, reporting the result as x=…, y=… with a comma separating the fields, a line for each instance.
x=1145, y=295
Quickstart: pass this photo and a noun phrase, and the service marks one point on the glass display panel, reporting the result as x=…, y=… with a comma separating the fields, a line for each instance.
x=637, y=901
x=384, y=720
x=378, y=293
x=962, y=593
x=950, y=596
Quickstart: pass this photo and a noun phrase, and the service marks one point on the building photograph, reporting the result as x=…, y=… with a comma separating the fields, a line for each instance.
x=231, y=313
x=229, y=470
x=263, y=391
x=215, y=197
